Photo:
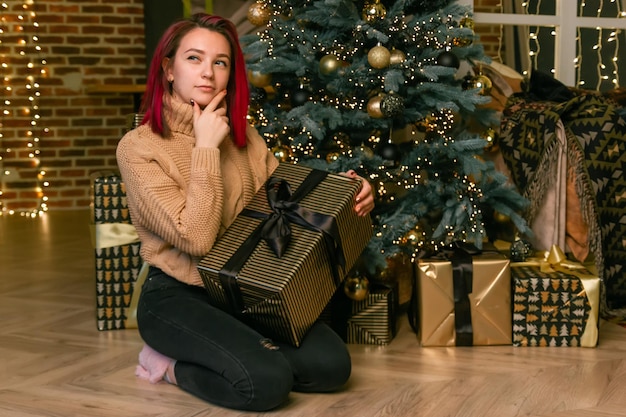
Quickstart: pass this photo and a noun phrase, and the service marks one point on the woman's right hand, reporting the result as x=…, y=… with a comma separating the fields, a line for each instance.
x=211, y=125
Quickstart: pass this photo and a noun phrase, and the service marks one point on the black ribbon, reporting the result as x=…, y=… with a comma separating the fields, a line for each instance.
x=462, y=278
x=275, y=229
x=460, y=255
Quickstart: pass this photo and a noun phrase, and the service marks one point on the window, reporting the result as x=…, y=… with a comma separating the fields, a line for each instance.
x=577, y=41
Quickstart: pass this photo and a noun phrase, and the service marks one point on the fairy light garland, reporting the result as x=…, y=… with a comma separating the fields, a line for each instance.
x=27, y=46
x=6, y=89
x=615, y=58
x=597, y=47
x=500, y=6
x=533, y=36
x=612, y=38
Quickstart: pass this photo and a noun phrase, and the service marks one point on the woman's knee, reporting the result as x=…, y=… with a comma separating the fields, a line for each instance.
x=327, y=375
x=271, y=385
x=266, y=385
x=323, y=363
x=253, y=386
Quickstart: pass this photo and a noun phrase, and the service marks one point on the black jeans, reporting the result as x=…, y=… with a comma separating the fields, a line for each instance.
x=224, y=361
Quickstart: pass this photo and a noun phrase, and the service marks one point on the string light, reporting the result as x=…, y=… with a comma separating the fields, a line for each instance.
x=22, y=109
x=534, y=36
x=614, y=37
x=579, y=48
x=500, y=35
x=605, y=48
x=603, y=73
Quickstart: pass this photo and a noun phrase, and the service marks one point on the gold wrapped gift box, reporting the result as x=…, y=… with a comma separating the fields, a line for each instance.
x=283, y=297
x=371, y=321
x=488, y=302
x=556, y=302
x=118, y=263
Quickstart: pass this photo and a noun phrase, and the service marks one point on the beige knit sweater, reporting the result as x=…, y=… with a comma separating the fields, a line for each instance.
x=181, y=198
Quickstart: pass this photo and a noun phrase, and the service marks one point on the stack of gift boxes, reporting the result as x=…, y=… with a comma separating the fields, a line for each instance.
x=119, y=268
x=483, y=298
x=460, y=297
x=118, y=264
x=469, y=297
x=280, y=294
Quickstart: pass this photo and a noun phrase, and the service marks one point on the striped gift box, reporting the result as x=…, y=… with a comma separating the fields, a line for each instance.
x=283, y=297
x=371, y=321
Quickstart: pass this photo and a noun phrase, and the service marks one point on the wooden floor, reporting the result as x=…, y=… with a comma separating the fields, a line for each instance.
x=54, y=362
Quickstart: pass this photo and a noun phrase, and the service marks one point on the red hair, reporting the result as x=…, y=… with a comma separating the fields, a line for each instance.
x=157, y=85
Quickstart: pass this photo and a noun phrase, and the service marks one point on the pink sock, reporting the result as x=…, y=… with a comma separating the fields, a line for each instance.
x=152, y=365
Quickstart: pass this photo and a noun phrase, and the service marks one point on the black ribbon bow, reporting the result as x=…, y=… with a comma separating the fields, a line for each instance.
x=275, y=229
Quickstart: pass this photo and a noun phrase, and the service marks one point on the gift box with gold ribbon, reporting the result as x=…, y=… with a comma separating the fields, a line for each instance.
x=463, y=298
x=119, y=268
x=370, y=321
x=556, y=302
x=278, y=265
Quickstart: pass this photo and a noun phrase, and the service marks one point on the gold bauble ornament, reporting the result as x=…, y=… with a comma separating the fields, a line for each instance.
x=397, y=57
x=492, y=140
x=356, y=288
x=467, y=22
x=258, y=79
x=379, y=57
x=484, y=83
x=282, y=152
x=462, y=41
x=501, y=218
x=481, y=82
x=373, y=107
x=374, y=11
x=329, y=63
x=259, y=14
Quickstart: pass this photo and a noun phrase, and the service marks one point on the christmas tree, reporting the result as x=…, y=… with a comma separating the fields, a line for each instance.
x=375, y=86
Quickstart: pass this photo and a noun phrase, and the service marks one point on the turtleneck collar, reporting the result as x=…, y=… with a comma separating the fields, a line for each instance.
x=178, y=115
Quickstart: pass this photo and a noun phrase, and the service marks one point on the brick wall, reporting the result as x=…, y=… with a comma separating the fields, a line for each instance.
x=489, y=34
x=85, y=43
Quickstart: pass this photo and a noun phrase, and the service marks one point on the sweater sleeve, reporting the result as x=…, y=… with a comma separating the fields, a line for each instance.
x=183, y=215
x=263, y=162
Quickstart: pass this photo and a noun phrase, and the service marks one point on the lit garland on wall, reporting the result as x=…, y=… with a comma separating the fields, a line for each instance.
x=27, y=46
x=534, y=47
x=602, y=69
x=602, y=55
x=604, y=72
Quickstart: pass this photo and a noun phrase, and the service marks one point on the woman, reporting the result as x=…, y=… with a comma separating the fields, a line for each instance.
x=189, y=169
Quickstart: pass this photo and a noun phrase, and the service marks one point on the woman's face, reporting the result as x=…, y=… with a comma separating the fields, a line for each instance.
x=201, y=67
